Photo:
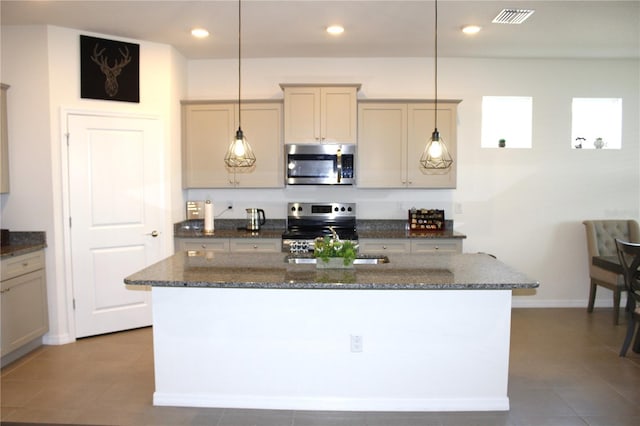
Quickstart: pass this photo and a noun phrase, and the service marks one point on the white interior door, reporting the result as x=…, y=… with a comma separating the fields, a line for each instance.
x=116, y=208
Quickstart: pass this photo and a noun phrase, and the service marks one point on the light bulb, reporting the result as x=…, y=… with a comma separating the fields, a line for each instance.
x=238, y=148
x=435, y=150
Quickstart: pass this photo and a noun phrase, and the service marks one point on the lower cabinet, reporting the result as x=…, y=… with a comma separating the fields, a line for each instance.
x=233, y=245
x=447, y=245
x=413, y=245
x=202, y=244
x=375, y=246
x=255, y=245
x=23, y=299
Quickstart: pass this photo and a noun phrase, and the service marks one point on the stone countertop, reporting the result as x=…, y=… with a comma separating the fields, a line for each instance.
x=22, y=243
x=270, y=271
x=229, y=228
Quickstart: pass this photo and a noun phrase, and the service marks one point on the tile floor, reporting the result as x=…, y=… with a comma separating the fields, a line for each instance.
x=564, y=371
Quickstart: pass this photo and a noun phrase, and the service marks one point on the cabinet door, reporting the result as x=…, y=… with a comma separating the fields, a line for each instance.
x=339, y=114
x=382, y=145
x=381, y=246
x=255, y=245
x=262, y=126
x=4, y=141
x=206, y=134
x=23, y=303
x=439, y=245
x=302, y=114
x=202, y=244
x=421, y=122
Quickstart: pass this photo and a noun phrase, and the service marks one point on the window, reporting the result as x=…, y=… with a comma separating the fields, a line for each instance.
x=506, y=121
x=596, y=123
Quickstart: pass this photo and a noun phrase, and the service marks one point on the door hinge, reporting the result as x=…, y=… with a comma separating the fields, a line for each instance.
x=74, y=304
x=69, y=221
x=67, y=137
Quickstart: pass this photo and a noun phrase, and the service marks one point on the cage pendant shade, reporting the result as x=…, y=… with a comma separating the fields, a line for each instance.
x=436, y=155
x=239, y=153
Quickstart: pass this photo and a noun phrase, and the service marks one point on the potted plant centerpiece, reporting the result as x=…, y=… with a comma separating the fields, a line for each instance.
x=331, y=252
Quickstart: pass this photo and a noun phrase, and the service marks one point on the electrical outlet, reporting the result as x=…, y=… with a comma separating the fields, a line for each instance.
x=356, y=343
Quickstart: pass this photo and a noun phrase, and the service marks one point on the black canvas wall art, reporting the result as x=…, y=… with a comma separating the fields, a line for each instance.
x=109, y=69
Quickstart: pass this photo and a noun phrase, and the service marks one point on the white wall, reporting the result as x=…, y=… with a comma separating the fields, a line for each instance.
x=525, y=206
x=42, y=66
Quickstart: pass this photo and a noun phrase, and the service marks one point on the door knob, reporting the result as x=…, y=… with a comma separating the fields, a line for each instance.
x=154, y=233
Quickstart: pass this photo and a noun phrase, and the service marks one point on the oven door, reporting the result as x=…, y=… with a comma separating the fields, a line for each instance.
x=319, y=165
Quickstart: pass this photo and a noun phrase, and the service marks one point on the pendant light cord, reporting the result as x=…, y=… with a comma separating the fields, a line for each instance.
x=239, y=61
x=436, y=65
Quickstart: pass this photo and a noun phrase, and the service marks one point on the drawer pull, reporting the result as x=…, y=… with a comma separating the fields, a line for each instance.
x=25, y=264
x=384, y=247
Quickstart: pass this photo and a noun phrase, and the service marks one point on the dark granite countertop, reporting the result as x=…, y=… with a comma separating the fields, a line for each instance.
x=23, y=243
x=270, y=271
x=229, y=228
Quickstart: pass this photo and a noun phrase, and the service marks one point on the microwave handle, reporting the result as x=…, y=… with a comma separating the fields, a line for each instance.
x=339, y=164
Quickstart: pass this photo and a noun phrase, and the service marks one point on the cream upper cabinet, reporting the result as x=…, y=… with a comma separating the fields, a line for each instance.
x=4, y=141
x=392, y=136
x=207, y=131
x=320, y=114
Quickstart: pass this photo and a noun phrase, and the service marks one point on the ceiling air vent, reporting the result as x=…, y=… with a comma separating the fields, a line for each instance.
x=512, y=16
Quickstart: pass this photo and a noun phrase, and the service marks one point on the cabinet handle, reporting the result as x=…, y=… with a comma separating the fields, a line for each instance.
x=204, y=246
x=5, y=291
x=384, y=247
x=255, y=247
x=25, y=264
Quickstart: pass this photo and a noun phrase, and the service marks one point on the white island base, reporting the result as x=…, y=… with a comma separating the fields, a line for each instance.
x=419, y=350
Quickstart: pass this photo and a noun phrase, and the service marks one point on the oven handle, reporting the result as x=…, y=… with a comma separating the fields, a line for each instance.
x=339, y=161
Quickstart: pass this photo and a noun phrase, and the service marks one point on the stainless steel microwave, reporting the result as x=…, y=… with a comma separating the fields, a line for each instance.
x=320, y=164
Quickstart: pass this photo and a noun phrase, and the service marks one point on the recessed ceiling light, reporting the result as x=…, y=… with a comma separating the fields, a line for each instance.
x=471, y=29
x=199, y=33
x=335, y=29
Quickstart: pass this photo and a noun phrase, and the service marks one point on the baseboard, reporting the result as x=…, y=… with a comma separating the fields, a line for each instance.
x=529, y=302
x=57, y=339
x=331, y=404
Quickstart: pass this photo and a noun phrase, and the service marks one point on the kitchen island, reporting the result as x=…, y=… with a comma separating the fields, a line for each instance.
x=420, y=333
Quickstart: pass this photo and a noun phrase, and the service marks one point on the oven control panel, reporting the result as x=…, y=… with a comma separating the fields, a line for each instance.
x=320, y=210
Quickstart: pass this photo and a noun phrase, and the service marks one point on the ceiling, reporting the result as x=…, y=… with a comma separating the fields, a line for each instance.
x=396, y=28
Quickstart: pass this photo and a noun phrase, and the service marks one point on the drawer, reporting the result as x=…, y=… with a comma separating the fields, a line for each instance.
x=255, y=245
x=443, y=245
x=376, y=246
x=203, y=244
x=23, y=264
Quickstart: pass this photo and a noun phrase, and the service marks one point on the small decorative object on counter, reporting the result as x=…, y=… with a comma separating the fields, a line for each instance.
x=599, y=143
x=579, y=142
x=502, y=143
x=334, y=253
x=421, y=220
x=208, y=217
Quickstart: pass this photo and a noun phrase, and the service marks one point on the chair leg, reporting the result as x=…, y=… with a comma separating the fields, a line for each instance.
x=636, y=343
x=592, y=296
x=616, y=306
x=631, y=327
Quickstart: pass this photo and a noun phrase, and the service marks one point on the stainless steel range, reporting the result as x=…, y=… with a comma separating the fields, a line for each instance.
x=308, y=221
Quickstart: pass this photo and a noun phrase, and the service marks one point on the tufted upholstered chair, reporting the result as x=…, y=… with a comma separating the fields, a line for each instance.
x=629, y=257
x=601, y=236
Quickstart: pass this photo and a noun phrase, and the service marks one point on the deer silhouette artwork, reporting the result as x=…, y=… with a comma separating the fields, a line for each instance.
x=111, y=73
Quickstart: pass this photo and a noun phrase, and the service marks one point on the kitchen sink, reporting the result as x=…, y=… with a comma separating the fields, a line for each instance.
x=362, y=259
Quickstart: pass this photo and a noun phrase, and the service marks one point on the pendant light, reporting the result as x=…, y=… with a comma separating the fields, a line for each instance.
x=239, y=154
x=436, y=155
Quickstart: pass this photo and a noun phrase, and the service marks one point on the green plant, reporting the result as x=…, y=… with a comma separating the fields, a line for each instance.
x=328, y=247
